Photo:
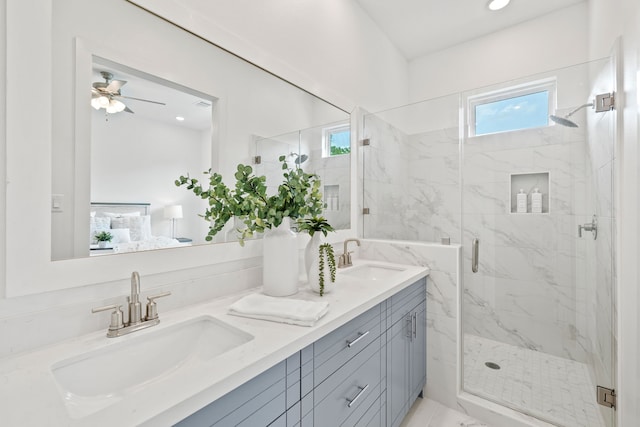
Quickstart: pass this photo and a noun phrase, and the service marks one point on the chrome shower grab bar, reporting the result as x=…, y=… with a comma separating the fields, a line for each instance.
x=475, y=254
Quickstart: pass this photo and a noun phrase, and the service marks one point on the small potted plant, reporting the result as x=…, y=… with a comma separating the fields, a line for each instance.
x=315, y=252
x=103, y=238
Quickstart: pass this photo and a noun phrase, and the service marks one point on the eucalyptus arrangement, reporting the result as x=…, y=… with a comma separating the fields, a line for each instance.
x=326, y=249
x=298, y=196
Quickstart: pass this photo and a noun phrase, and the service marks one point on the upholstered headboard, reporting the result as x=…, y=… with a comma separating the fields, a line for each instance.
x=119, y=208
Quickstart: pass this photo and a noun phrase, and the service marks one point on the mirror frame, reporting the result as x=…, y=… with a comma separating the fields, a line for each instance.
x=27, y=246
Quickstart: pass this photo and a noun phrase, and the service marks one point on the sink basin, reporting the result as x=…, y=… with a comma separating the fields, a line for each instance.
x=372, y=271
x=94, y=380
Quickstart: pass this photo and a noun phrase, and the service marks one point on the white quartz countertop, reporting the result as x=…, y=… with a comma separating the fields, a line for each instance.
x=30, y=395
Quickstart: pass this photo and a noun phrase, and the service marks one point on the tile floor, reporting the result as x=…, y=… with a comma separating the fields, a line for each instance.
x=548, y=387
x=429, y=413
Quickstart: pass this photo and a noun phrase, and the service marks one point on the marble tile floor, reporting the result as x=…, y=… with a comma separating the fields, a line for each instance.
x=550, y=388
x=429, y=413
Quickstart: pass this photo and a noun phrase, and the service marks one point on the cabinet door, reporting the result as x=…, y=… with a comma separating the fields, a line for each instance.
x=398, y=347
x=258, y=402
x=418, y=370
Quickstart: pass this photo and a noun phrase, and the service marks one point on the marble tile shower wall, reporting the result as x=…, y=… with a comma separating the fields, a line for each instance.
x=411, y=183
x=386, y=180
x=334, y=172
x=526, y=292
x=442, y=307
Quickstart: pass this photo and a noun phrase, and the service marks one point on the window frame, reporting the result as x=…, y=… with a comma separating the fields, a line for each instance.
x=326, y=138
x=529, y=88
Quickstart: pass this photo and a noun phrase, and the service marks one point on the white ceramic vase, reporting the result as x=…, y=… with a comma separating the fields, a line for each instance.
x=280, y=261
x=312, y=264
x=311, y=252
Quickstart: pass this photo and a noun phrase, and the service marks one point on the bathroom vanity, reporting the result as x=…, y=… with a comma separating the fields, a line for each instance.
x=363, y=363
x=368, y=372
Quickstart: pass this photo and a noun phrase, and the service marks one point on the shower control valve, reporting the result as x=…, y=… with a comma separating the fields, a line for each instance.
x=590, y=226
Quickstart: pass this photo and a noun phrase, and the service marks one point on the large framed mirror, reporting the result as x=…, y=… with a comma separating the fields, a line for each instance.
x=163, y=128
x=122, y=158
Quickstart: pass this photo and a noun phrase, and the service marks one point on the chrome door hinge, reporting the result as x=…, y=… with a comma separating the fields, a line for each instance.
x=605, y=102
x=257, y=160
x=607, y=397
x=365, y=211
x=366, y=142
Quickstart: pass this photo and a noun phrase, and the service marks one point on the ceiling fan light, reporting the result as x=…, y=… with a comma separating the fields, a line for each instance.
x=115, y=106
x=95, y=103
x=497, y=4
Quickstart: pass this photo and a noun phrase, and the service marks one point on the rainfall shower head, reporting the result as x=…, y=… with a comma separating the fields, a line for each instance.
x=299, y=158
x=564, y=121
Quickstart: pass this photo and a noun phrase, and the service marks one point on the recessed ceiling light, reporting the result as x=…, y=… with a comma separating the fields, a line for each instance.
x=497, y=4
x=180, y=118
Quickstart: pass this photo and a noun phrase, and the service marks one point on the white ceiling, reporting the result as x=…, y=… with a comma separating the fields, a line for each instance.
x=420, y=27
x=179, y=101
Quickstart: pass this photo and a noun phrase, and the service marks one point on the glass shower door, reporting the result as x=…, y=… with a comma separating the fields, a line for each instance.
x=538, y=315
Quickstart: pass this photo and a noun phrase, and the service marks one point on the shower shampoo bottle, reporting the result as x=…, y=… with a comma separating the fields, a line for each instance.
x=521, y=201
x=536, y=201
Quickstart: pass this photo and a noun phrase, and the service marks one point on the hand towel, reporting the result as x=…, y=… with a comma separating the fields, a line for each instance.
x=282, y=310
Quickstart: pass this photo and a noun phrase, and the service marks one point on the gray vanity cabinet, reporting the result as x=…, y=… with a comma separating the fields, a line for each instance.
x=406, y=350
x=271, y=398
x=366, y=373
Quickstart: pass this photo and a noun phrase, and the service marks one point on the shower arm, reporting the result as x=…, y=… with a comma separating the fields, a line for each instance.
x=578, y=109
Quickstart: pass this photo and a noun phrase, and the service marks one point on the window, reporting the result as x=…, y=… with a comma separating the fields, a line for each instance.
x=336, y=140
x=515, y=108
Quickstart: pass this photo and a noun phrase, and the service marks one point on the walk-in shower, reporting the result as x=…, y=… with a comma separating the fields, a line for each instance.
x=534, y=324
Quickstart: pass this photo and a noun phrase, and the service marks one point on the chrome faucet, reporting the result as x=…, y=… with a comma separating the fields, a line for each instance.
x=118, y=327
x=135, y=309
x=345, y=259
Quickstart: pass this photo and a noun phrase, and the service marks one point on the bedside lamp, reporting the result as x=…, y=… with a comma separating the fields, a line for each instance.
x=173, y=212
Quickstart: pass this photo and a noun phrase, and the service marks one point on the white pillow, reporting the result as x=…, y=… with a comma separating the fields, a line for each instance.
x=120, y=215
x=97, y=225
x=121, y=235
x=139, y=226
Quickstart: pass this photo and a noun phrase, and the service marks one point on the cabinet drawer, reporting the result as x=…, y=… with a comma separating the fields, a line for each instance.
x=405, y=300
x=351, y=389
x=373, y=416
x=338, y=347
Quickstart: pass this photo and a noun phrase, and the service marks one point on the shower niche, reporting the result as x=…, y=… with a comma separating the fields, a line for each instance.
x=529, y=184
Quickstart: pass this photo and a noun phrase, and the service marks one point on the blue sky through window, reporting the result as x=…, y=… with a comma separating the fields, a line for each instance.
x=520, y=112
x=341, y=140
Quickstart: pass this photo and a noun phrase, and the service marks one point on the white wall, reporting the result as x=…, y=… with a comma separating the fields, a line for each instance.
x=137, y=160
x=331, y=47
x=552, y=41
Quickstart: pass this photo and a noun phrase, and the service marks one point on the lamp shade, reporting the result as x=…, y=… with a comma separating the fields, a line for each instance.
x=173, y=212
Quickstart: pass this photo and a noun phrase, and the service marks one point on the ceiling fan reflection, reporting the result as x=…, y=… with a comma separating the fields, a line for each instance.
x=105, y=95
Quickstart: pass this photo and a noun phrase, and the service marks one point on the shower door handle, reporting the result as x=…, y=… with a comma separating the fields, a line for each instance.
x=475, y=253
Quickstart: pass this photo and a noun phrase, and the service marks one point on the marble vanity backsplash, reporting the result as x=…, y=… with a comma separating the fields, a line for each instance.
x=30, y=322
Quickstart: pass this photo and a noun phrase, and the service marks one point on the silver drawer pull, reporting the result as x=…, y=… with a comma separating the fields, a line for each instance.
x=354, y=342
x=360, y=393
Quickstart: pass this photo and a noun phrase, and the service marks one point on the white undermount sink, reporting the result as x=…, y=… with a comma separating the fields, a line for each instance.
x=96, y=379
x=372, y=271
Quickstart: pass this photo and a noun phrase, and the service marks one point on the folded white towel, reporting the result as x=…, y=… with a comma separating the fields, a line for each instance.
x=282, y=310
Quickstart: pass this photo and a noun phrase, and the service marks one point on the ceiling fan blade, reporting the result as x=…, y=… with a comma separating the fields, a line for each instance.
x=115, y=85
x=140, y=99
x=128, y=110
